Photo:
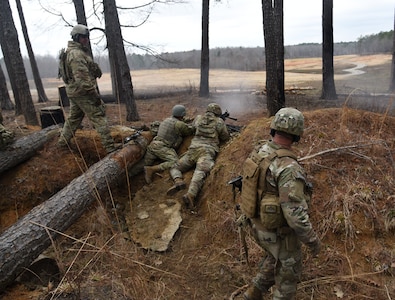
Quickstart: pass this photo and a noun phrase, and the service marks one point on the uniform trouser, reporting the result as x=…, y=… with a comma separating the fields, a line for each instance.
x=284, y=272
x=94, y=109
x=203, y=158
x=158, y=150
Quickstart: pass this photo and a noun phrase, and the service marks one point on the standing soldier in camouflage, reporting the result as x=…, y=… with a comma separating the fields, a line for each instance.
x=274, y=201
x=79, y=74
x=170, y=135
x=210, y=132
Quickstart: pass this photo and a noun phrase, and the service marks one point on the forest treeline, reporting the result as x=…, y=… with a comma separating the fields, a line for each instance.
x=236, y=58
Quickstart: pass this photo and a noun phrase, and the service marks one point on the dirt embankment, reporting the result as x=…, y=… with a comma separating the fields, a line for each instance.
x=348, y=154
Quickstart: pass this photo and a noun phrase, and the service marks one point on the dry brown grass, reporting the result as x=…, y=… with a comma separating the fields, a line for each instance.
x=348, y=154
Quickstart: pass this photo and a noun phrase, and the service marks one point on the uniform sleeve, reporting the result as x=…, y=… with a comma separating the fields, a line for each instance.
x=293, y=202
x=185, y=129
x=223, y=133
x=81, y=74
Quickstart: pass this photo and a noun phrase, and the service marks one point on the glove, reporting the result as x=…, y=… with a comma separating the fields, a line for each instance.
x=315, y=247
x=96, y=70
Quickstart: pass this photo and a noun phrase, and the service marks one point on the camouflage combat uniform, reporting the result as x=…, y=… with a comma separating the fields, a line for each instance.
x=210, y=131
x=6, y=137
x=84, y=98
x=170, y=136
x=286, y=180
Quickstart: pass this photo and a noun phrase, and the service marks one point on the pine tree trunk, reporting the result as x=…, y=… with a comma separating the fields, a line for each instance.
x=14, y=63
x=204, y=90
x=273, y=28
x=24, y=148
x=328, y=72
x=24, y=241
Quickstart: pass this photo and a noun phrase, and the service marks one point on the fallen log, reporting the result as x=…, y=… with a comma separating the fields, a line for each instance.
x=26, y=147
x=24, y=241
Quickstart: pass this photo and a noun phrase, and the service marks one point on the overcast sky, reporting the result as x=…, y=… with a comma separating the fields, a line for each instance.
x=233, y=23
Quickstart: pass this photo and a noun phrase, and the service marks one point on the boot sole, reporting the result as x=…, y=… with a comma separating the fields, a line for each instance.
x=174, y=189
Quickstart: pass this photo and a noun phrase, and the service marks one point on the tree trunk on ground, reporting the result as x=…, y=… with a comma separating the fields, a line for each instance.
x=42, y=97
x=328, y=73
x=14, y=63
x=5, y=100
x=24, y=241
x=273, y=29
x=118, y=60
x=204, y=90
x=24, y=148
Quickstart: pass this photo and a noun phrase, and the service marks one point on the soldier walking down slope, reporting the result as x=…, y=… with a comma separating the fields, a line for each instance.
x=210, y=132
x=79, y=73
x=170, y=135
x=274, y=202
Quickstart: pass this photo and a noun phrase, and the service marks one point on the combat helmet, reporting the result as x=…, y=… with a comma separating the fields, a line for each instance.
x=288, y=120
x=215, y=109
x=178, y=110
x=78, y=30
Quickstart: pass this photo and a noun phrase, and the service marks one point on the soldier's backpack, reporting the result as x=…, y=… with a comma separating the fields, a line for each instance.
x=62, y=68
x=250, y=194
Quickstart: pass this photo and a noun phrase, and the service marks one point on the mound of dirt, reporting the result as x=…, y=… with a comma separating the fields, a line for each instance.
x=348, y=155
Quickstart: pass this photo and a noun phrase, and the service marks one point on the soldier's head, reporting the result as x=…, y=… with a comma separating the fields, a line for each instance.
x=178, y=111
x=80, y=34
x=215, y=109
x=288, y=120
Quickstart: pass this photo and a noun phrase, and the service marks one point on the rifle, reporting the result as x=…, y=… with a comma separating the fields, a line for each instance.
x=226, y=115
x=133, y=136
x=241, y=221
x=231, y=128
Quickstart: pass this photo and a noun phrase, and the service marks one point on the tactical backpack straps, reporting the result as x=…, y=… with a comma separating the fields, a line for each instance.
x=63, y=70
x=254, y=180
x=286, y=153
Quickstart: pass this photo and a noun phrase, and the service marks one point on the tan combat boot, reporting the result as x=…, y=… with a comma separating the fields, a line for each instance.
x=149, y=172
x=189, y=200
x=179, y=185
x=252, y=293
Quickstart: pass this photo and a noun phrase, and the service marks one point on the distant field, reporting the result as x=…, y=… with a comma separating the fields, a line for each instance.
x=298, y=72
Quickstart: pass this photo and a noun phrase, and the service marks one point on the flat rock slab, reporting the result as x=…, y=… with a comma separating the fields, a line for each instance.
x=154, y=218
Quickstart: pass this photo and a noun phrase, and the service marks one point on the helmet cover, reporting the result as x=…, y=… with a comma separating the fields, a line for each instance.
x=289, y=120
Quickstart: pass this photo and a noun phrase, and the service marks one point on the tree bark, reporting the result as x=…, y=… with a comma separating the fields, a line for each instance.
x=14, y=63
x=5, y=100
x=273, y=29
x=42, y=97
x=204, y=90
x=24, y=148
x=118, y=61
x=328, y=73
x=24, y=241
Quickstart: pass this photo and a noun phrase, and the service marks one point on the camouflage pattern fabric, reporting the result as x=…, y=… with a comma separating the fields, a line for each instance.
x=170, y=135
x=6, y=137
x=283, y=262
x=84, y=98
x=202, y=151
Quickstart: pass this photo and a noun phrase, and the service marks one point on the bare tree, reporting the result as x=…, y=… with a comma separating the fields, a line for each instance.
x=273, y=29
x=42, y=97
x=118, y=60
x=14, y=63
x=5, y=101
x=204, y=90
x=328, y=73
